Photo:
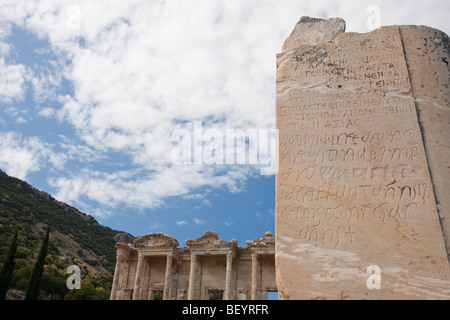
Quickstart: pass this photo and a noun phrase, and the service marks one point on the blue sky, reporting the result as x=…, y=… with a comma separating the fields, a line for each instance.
x=91, y=93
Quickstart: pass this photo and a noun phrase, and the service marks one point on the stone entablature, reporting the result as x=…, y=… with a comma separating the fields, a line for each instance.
x=154, y=264
x=210, y=242
x=154, y=240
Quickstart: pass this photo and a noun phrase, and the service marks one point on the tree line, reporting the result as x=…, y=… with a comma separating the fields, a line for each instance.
x=52, y=285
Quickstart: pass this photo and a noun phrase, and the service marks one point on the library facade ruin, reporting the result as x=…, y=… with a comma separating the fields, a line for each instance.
x=154, y=267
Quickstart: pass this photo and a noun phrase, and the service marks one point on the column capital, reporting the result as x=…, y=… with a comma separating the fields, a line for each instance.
x=124, y=250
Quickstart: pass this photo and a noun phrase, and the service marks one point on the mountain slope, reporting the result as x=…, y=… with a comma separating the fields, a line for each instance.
x=75, y=238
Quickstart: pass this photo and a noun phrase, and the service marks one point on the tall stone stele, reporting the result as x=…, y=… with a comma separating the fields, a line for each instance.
x=363, y=186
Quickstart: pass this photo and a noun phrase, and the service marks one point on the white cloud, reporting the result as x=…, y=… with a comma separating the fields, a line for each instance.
x=135, y=66
x=155, y=226
x=200, y=197
x=16, y=160
x=19, y=156
x=4, y=48
x=5, y=31
x=45, y=86
x=12, y=81
x=46, y=112
x=199, y=221
x=136, y=188
x=181, y=222
x=21, y=120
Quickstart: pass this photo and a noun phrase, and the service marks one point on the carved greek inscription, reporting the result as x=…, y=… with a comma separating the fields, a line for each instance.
x=345, y=138
x=351, y=154
x=342, y=63
x=391, y=191
x=381, y=155
x=345, y=118
x=313, y=57
x=294, y=174
x=332, y=236
x=380, y=212
x=385, y=210
x=315, y=214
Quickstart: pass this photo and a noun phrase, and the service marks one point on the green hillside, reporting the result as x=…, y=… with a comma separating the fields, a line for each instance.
x=75, y=239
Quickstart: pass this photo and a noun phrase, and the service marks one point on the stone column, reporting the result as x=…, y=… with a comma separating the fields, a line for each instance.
x=117, y=271
x=255, y=273
x=137, y=281
x=192, y=272
x=168, y=278
x=229, y=273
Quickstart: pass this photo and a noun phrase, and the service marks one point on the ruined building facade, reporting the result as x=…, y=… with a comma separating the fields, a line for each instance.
x=154, y=267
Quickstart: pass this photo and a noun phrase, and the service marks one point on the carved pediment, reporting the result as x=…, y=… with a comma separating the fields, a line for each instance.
x=211, y=239
x=265, y=241
x=123, y=249
x=156, y=240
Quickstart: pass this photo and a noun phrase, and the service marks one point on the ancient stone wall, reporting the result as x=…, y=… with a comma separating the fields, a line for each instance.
x=364, y=167
x=154, y=266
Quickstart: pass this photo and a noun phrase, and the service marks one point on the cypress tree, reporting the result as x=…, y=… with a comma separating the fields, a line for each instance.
x=8, y=267
x=34, y=285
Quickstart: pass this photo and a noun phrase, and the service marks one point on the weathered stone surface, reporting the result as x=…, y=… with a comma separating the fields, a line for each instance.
x=356, y=115
x=211, y=240
x=427, y=54
x=155, y=240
